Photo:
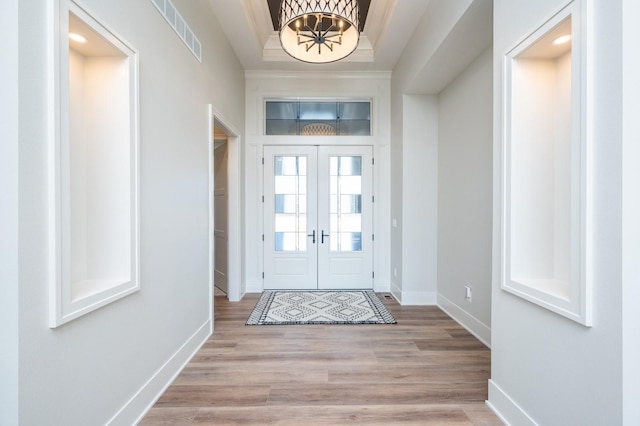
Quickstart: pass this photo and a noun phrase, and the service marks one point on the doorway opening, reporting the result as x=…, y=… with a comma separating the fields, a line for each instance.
x=225, y=208
x=221, y=210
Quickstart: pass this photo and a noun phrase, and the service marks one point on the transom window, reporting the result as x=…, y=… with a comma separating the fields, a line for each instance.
x=318, y=118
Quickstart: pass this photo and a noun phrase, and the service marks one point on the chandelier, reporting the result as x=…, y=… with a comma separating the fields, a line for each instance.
x=319, y=31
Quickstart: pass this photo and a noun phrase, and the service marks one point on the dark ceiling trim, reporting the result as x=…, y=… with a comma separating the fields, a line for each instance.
x=274, y=9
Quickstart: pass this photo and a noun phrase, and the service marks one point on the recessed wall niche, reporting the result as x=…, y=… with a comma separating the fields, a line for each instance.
x=95, y=165
x=546, y=174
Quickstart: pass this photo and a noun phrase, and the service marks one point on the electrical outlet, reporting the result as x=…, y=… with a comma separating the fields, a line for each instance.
x=467, y=293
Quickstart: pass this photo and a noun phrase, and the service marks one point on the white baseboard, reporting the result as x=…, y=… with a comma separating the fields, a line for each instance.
x=135, y=409
x=505, y=408
x=465, y=319
x=413, y=298
x=396, y=292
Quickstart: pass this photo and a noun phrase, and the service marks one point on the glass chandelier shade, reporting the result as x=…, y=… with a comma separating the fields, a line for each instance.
x=319, y=31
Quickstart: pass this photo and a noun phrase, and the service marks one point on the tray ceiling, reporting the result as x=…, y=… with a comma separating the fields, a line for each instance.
x=274, y=7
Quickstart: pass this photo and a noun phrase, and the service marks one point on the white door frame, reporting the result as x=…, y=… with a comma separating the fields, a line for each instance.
x=235, y=213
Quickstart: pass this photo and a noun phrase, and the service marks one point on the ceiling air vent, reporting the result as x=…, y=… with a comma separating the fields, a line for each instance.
x=177, y=22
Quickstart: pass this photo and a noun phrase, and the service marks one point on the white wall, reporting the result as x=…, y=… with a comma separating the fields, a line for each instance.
x=396, y=180
x=438, y=20
x=363, y=85
x=419, y=195
x=631, y=212
x=425, y=68
x=87, y=370
x=9, y=290
x=464, y=196
x=100, y=171
x=540, y=189
x=545, y=368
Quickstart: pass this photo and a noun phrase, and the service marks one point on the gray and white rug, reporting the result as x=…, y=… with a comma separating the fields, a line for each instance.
x=320, y=307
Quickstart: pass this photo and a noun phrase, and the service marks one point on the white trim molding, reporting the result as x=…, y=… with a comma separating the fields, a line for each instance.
x=140, y=403
x=235, y=204
x=94, y=240
x=473, y=325
x=414, y=298
x=547, y=169
x=506, y=408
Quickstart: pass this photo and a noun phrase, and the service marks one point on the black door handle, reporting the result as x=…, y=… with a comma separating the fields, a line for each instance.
x=313, y=236
x=322, y=235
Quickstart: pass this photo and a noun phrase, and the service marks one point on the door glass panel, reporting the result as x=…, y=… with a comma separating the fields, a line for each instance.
x=345, y=219
x=290, y=203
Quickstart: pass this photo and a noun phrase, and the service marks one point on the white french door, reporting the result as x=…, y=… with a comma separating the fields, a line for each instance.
x=291, y=216
x=318, y=217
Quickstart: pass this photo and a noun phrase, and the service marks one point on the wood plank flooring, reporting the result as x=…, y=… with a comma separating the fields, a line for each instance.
x=425, y=370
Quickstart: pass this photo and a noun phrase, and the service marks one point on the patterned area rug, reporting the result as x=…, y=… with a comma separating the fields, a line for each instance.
x=320, y=307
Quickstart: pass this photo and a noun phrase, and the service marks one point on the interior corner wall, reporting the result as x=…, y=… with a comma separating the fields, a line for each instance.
x=414, y=138
x=464, y=196
x=396, y=197
x=547, y=369
x=419, y=198
x=631, y=213
x=9, y=291
x=108, y=366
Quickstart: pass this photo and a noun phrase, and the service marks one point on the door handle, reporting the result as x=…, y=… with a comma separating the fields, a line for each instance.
x=322, y=236
x=313, y=236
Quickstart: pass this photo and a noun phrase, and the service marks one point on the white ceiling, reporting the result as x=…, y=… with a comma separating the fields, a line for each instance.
x=443, y=36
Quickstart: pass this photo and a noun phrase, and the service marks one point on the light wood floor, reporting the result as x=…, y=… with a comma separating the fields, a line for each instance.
x=425, y=370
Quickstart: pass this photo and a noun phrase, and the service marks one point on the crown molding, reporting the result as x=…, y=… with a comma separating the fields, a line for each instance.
x=297, y=75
